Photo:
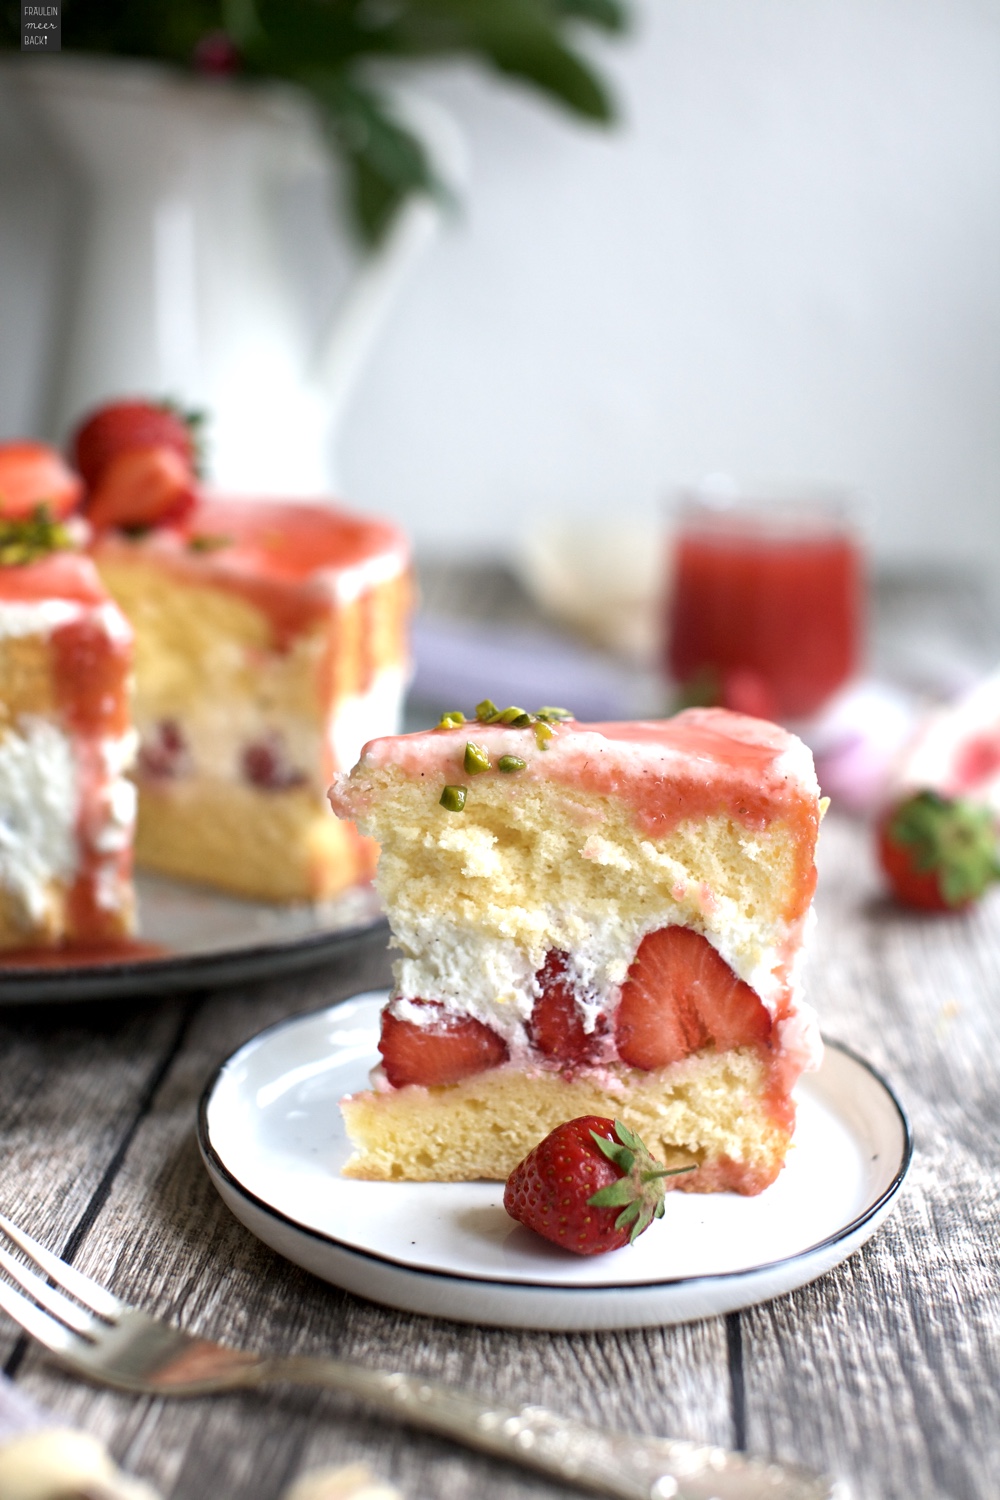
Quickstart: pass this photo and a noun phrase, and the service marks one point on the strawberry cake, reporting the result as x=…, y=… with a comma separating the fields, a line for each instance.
x=66, y=742
x=271, y=642
x=599, y=919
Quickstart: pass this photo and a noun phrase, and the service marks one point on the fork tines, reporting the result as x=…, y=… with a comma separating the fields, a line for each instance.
x=74, y=1321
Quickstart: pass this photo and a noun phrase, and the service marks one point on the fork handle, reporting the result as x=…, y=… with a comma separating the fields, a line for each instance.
x=612, y=1463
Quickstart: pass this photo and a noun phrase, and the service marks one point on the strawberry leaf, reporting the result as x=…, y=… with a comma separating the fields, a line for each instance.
x=950, y=837
x=616, y=1193
x=620, y=1155
x=633, y=1211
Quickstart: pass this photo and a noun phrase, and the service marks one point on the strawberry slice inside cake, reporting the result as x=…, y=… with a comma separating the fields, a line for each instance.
x=594, y=919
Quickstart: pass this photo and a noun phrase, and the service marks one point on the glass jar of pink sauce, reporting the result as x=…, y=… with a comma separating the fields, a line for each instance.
x=765, y=611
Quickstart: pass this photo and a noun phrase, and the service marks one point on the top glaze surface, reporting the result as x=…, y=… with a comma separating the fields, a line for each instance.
x=61, y=575
x=293, y=561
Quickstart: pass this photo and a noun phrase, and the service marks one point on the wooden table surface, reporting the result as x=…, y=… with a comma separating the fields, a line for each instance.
x=886, y=1371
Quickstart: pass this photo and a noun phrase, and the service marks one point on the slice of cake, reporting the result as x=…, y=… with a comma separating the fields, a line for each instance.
x=594, y=919
x=66, y=808
x=270, y=644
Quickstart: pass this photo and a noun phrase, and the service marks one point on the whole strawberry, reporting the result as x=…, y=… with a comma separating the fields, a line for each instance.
x=938, y=853
x=589, y=1186
x=140, y=461
x=122, y=426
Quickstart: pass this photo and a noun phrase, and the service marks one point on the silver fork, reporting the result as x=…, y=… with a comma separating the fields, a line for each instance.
x=100, y=1337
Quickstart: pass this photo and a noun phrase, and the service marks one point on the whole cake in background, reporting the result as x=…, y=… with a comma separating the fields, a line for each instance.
x=598, y=919
x=67, y=810
x=271, y=642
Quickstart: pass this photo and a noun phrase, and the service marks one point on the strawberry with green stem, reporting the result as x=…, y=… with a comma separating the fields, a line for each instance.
x=122, y=426
x=141, y=462
x=590, y=1186
x=938, y=853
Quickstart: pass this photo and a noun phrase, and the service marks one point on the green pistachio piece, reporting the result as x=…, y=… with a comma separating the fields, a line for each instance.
x=453, y=798
x=451, y=719
x=29, y=538
x=542, y=735
x=511, y=763
x=513, y=715
x=486, y=710
x=553, y=715
x=476, y=758
x=205, y=541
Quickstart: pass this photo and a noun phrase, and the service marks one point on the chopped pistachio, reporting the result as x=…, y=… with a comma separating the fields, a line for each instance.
x=476, y=758
x=25, y=539
x=511, y=763
x=553, y=715
x=205, y=541
x=451, y=719
x=486, y=710
x=453, y=798
x=542, y=735
x=513, y=715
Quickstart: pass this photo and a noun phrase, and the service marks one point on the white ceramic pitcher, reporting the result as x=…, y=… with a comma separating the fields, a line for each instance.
x=209, y=265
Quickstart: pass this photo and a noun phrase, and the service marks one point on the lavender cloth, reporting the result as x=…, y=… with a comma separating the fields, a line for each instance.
x=458, y=663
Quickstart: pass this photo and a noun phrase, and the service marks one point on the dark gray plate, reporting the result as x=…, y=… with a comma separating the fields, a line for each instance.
x=206, y=938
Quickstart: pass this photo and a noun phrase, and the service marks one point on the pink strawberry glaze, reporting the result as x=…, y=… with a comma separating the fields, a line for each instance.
x=701, y=763
x=61, y=575
x=91, y=673
x=294, y=561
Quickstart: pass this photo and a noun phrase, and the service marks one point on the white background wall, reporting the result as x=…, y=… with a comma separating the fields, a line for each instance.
x=786, y=263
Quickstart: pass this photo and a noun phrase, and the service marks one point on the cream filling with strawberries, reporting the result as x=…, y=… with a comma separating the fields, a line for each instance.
x=478, y=899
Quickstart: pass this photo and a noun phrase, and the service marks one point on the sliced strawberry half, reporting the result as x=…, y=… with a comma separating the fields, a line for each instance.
x=681, y=995
x=142, y=487
x=33, y=475
x=121, y=426
x=445, y=1050
x=556, y=1025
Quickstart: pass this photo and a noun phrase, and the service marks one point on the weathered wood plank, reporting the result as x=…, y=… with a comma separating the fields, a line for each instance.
x=74, y=1080
x=165, y=1240
x=888, y=1369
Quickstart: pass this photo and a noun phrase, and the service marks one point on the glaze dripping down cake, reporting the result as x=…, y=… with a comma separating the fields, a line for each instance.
x=271, y=642
x=66, y=808
x=592, y=919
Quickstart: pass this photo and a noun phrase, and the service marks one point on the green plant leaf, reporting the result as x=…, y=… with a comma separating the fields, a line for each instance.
x=610, y=15
x=324, y=46
x=386, y=163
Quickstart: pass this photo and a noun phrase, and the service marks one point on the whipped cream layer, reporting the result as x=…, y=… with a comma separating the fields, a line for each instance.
x=39, y=805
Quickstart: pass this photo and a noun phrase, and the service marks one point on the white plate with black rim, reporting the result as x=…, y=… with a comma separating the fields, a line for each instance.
x=272, y=1139
x=191, y=937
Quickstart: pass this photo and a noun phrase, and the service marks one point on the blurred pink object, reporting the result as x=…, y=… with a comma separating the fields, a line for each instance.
x=857, y=742
x=956, y=749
